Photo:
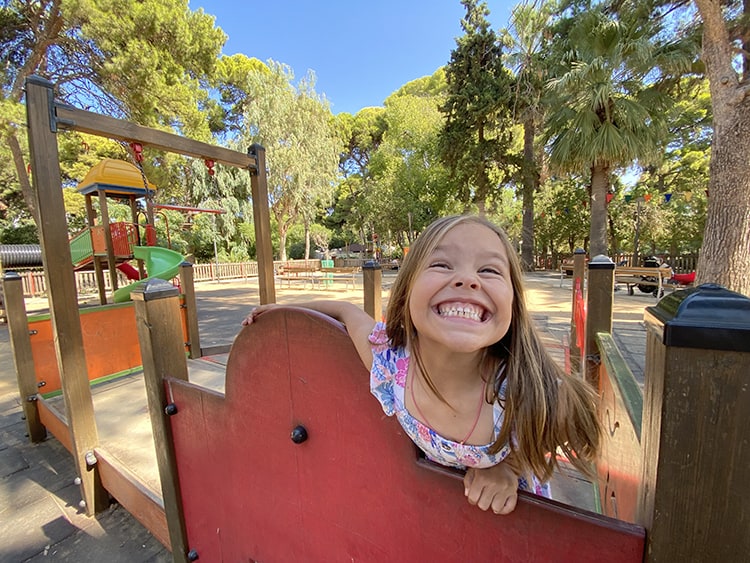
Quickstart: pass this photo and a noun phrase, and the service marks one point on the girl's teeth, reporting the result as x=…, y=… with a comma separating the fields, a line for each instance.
x=463, y=312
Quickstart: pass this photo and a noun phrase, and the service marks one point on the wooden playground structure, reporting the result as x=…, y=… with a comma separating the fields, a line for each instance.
x=289, y=458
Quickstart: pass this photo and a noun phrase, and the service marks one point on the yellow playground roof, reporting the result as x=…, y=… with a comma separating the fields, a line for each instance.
x=114, y=176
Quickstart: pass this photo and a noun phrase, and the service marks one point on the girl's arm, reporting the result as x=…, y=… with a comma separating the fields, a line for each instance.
x=358, y=324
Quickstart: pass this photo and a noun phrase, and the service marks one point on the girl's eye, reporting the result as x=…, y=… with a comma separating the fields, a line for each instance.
x=439, y=265
x=490, y=270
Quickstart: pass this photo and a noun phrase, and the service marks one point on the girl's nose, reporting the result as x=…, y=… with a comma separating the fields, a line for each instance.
x=468, y=280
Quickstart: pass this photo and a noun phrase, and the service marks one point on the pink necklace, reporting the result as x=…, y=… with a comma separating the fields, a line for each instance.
x=427, y=422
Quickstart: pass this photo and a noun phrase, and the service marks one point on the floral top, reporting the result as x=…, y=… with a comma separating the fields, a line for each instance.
x=388, y=383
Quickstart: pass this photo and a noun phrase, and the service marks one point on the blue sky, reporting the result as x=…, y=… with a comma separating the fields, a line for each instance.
x=361, y=52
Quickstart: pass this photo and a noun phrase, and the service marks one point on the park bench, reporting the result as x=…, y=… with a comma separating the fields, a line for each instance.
x=346, y=273
x=638, y=276
x=299, y=272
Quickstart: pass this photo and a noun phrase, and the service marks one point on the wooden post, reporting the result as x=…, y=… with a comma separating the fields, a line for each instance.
x=98, y=271
x=262, y=220
x=579, y=269
x=20, y=344
x=111, y=261
x=372, y=281
x=191, y=309
x=696, y=427
x=600, y=293
x=157, y=316
x=61, y=288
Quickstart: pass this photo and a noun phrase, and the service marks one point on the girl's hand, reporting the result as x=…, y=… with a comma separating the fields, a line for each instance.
x=495, y=487
x=255, y=313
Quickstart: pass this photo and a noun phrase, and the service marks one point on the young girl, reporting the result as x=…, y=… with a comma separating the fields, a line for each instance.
x=460, y=364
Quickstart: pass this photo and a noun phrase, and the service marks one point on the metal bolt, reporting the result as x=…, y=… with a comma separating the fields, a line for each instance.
x=90, y=458
x=77, y=481
x=192, y=555
x=299, y=434
x=170, y=409
x=82, y=504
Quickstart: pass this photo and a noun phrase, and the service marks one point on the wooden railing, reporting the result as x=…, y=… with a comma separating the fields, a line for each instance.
x=34, y=283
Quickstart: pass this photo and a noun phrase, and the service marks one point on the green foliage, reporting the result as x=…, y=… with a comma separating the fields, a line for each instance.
x=625, y=96
x=562, y=221
x=475, y=141
x=23, y=234
x=610, y=99
x=302, y=144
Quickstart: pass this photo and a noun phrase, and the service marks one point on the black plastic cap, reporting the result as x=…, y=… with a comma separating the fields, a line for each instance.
x=708, y=317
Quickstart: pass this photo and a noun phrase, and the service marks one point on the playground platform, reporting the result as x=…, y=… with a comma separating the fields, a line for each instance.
x=40, y=518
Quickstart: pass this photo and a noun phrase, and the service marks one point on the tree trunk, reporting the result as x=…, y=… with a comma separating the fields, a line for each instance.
x=23, y=177
x=307, y=240
x=530, y=185
x=598, y=205
x=725, y=254
x=282, y=243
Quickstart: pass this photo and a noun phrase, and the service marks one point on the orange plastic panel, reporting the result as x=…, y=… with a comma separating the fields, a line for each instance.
x=354, y=490
x=110, y=342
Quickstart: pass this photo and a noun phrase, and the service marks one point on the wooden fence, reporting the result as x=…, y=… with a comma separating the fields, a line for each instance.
x=680, y=263
x=35, y=285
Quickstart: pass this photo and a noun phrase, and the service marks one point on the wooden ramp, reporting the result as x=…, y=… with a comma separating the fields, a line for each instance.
x=354, y=489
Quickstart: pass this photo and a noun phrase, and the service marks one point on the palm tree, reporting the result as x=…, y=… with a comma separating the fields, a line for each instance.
x=526, y=38
x=608, y=109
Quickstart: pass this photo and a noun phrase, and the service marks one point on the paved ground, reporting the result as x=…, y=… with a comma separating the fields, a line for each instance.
x=39, y=515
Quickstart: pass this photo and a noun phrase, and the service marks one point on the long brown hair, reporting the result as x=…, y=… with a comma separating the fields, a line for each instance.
x=545, y=409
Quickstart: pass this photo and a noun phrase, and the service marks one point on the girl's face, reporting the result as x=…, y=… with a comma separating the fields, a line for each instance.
x=462, y=298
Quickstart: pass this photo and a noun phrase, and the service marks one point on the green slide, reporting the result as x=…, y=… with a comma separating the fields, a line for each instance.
x=161, y=263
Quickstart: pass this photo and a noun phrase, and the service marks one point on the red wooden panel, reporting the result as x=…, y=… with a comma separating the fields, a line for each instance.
x=353, y=490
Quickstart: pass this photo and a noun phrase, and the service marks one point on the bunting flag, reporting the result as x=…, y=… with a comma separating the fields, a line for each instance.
x=609, y=197
x=628, y=198
x=688, y=196
x=647, y=197
x=667, y=197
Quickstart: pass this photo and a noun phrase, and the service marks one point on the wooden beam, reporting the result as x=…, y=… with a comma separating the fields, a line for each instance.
x=262, y=220
x=191, y=310
x=61, y=288
x=99, y=272
x=74, y=119
x=139, y=500
x=600, y=292
x=20, y=344
x=111, y=260
x=157, y=312
x=372, y=276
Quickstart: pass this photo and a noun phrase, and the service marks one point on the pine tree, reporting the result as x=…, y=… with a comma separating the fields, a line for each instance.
x=476, y=138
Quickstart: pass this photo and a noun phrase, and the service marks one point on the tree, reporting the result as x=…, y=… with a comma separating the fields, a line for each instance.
x=408, y=187
x=361, y=135
x=610, y=106
x=297, y=130
x=529, y=24
x=725, y=254
x=146, y=61
x=475, y=140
